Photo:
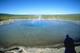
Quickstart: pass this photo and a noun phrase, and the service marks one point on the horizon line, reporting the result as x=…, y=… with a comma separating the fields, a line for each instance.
x=41, y=14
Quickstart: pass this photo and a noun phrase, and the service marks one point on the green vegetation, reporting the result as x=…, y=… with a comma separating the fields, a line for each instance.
x=5, y=17
x=64, y=17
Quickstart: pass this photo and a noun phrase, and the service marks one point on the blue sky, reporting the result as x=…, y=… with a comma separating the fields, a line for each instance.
x=40, y=6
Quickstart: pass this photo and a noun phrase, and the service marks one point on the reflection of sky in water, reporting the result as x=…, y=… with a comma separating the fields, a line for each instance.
x=38, y=31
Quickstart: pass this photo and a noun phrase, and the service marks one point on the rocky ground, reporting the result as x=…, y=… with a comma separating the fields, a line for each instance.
x=22, y=49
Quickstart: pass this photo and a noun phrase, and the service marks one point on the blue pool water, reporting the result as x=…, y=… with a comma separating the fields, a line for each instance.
x=38, y=32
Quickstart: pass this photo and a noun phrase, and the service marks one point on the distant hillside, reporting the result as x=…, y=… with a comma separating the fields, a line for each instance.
x=5, y=14
x=13, y=16
x=2, y=14
x=57, y=17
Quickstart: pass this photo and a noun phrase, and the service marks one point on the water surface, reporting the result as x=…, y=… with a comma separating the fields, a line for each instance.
x=42, y=32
